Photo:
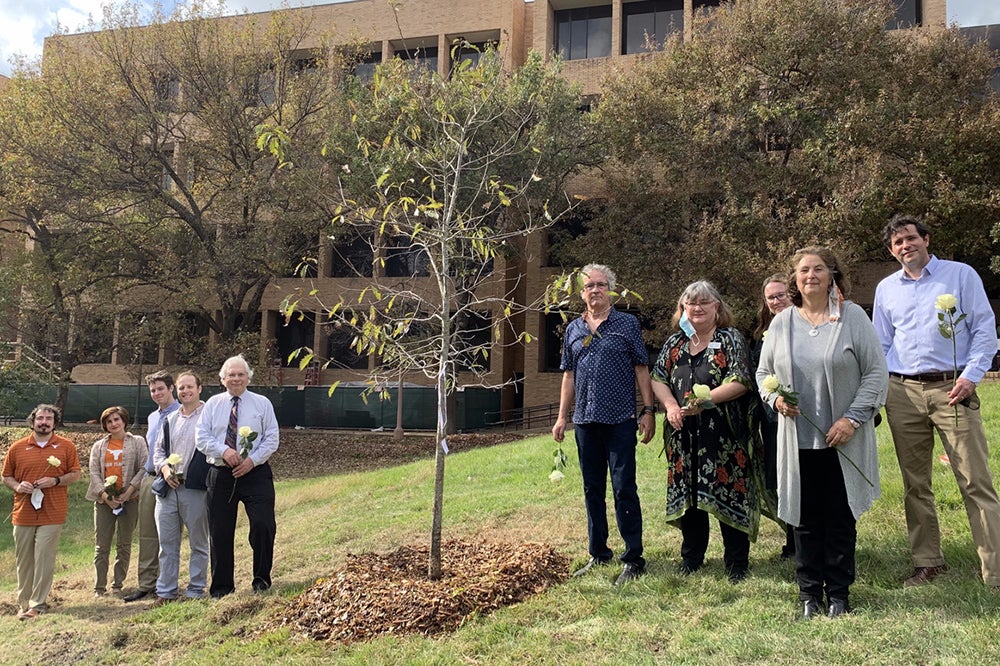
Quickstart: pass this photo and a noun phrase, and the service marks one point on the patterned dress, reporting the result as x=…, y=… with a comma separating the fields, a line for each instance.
x=715, y=462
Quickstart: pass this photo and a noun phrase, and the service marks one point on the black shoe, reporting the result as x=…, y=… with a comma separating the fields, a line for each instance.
x=738, y=574
x=261, y=587
x=594, y=562
x=810, y=609
x=687, y=568
x=135, y=596
x=838, y=607
x=630, y=573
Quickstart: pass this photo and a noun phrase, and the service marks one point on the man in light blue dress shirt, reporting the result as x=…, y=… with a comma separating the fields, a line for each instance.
x=161, y=390
x=925, y=395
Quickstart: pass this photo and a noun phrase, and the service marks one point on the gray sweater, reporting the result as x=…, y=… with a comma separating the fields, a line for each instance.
x=856, y=382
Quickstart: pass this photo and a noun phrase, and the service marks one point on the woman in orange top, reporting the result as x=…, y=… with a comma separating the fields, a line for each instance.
x=122, y=455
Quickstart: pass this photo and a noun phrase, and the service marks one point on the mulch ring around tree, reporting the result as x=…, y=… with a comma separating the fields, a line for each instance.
x=376, y=594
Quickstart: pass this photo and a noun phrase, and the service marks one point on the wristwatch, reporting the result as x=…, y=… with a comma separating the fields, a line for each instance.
x=856, y=424
x=647, y=409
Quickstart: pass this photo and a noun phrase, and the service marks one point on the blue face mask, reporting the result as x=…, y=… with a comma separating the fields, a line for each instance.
x=686, y=325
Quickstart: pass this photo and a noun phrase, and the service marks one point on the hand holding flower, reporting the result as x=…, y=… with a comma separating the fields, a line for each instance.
x=172, y=474
x=948, y=321
x=698, y=399
x=787, y=404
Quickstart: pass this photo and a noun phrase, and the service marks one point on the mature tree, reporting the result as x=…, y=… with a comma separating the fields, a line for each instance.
x=442, y=179
x=130, y=160
x=783, y=123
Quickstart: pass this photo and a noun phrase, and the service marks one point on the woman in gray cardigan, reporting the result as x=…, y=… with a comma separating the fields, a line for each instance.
x=830, y=368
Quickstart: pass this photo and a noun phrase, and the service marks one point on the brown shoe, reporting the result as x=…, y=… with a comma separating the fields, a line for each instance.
x=923, y=575
x=162, y=601
x=28, y=614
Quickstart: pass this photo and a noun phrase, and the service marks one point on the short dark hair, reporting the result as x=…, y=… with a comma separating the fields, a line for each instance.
x=44, y=407
x=117, y=409
x=897, y=223
x=190, y=373
x=160, y=376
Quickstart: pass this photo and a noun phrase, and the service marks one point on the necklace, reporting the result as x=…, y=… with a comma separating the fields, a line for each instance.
x=824, y=319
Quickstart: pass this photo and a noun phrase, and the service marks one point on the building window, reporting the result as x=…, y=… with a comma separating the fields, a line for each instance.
x=405, y=259
x=473, y=53
x=552, y=341
x=294, y=335
x=364, y=70
x=352, y=255
x=583, y=33
x=473, y=335
x=706, y=6
x=167, y=169
x=655, y=19
x=907, y=14
x=166, y=90
x=340, y=349
x=425, y=56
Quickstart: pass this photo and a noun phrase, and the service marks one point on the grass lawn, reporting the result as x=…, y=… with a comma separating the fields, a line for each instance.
x=503, y=494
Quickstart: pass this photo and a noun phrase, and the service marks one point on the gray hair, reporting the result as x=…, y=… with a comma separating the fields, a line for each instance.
x=601, y=268
x=235, y=359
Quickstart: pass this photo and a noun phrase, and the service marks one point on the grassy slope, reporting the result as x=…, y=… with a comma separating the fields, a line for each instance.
x=503, y=493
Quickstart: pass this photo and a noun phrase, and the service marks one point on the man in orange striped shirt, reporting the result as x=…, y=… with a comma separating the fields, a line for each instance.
x=38, y=468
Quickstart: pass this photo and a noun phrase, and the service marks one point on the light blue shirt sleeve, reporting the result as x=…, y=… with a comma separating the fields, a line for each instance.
x=906, y=321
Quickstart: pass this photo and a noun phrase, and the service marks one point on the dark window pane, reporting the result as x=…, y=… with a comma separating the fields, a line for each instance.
x=293, y=335
x=907, y=14
x=583, y=33
x=599, y=38
x=339, y=350
x=578, y=40
x=562, y=38
x=637, y=27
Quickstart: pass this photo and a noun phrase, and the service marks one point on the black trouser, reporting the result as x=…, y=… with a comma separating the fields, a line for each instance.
x=256, y=491
x=602, y=447
x=694, y=528
x=826, y=538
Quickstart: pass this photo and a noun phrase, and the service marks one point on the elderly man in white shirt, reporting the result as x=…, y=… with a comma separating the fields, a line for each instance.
x=238, y=433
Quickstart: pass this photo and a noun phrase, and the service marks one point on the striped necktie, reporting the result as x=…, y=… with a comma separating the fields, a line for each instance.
x=233, y=428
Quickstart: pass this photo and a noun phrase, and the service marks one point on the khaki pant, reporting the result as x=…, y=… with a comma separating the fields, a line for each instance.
x=35, y=549
x=149, y=541
x=106, y=527
x=916, y=410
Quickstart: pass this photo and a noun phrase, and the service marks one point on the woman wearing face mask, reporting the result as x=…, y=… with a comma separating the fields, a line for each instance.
x=713, y=465
x=825, y=349
x=774, y=299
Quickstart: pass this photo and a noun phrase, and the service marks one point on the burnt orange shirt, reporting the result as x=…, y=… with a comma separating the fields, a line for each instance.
x=113, y=458
x=26, y=461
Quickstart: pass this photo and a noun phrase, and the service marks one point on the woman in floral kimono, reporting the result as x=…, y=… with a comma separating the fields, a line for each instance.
x=713, y=454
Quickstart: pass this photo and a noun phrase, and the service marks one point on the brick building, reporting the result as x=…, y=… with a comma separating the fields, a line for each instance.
x=594, y=37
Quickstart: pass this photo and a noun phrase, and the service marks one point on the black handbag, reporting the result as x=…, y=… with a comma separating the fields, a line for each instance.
x=160, y=485
x=197, y=472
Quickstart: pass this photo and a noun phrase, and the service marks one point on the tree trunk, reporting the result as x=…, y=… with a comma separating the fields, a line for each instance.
x=434, y=561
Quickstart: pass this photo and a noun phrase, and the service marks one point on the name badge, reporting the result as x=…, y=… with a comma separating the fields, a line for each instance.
x=715, y=345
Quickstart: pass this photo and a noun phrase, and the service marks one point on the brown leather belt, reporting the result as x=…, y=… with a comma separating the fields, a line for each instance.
x=927, y=377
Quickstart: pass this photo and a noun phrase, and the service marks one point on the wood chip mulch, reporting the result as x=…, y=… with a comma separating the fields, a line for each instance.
x=375, y=594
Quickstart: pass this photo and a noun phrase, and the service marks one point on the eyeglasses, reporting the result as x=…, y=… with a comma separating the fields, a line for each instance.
x=700, y=304
x=777, y=298
x=595, y=286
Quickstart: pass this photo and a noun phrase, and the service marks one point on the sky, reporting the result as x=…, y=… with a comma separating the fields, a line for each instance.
x=24, y=24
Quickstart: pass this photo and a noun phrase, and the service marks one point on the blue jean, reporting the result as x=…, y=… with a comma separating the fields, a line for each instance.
x=604, y=447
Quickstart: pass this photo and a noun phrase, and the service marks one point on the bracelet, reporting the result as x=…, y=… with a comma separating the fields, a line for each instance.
x=647, y=409
x=58, y=480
